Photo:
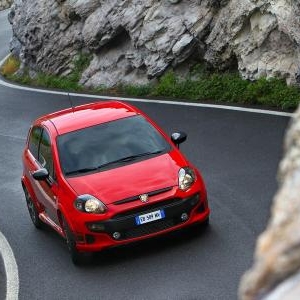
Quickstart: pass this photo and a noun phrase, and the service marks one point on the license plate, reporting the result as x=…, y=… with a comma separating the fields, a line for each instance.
x=150, y=217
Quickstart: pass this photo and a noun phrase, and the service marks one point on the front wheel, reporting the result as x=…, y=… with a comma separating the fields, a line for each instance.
x=76, y=256
x=34, y=215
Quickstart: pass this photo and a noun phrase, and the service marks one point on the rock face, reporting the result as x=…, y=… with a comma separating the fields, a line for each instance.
x=4, y=4
x=133, y=41
x=277, y=254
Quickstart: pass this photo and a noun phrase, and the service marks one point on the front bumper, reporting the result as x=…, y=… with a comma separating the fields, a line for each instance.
x=178, y=212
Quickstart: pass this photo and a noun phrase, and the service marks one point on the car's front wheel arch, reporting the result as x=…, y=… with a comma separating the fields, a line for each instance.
x=77, y=256
x=32, y=209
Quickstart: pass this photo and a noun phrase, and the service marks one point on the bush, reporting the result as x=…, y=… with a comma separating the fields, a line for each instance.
x=274, y=93
x=167, y=86
x=65, y=83
x=10, y=66
x=229, y=88
x=199, y=85
x=70, y=82
x=81, y=62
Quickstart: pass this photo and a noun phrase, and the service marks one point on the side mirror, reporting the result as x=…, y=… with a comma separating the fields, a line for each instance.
x=178, y=138
x=40, y=174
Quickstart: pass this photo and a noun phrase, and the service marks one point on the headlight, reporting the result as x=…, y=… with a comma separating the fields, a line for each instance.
x=90, y=204
x=186, y=178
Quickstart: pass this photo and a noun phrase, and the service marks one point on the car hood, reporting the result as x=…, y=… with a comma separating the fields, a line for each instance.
x=130, y=180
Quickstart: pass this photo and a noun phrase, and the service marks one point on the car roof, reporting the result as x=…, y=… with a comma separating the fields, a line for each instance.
x=87, y=115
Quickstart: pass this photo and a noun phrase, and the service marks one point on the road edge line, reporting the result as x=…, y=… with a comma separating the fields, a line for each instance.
x=154, y=101
x=10, y=268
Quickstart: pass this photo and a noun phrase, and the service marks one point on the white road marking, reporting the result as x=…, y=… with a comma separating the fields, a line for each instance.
x=13, y=137
x=166, y=102
x=11, y=269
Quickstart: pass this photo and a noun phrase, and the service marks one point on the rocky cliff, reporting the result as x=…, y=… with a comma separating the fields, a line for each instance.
x=133, y=41
x=4, y=4
x=275, y=274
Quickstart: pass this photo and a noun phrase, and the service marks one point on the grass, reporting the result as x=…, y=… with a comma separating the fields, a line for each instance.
x=69, y=82
x=229, y=88
x=200, y=85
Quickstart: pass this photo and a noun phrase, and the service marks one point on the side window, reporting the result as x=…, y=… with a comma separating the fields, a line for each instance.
x=34, y=140
x=45, y=153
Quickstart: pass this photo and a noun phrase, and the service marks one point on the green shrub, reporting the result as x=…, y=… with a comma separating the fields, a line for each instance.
x=65, y=83
x=199, y=85
x=228, y=88
x=136, y=90
x=10, y=66
x=69, y=82
x=81, y=62
x=167, y=86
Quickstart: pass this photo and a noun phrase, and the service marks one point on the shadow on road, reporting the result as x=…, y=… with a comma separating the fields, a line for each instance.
x=137, y=250
x=148, y=248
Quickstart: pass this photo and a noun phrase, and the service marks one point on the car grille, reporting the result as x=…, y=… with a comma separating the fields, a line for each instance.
x=148, y=229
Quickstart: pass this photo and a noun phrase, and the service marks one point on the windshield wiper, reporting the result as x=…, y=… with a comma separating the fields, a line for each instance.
x=129, y=158
x=83, y=170
x=123, y=159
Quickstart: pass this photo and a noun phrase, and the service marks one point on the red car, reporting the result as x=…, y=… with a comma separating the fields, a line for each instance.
x=104, y=174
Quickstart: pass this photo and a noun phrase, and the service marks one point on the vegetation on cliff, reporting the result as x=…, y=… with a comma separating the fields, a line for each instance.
x=200, y=85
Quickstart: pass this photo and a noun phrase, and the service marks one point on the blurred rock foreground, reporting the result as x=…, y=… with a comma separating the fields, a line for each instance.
x=134, y=41
x=275, y=274
x=4, y=4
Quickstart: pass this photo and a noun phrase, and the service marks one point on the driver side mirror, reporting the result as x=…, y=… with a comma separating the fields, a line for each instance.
x=40, y=174
x=178, y=138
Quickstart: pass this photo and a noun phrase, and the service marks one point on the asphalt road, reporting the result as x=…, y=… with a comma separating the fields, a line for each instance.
x=238, y=155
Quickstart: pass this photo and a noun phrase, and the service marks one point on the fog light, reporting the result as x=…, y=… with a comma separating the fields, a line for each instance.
x=116, y=235
x=194, y=200
x=184, y=217
x=89, y=239
x=96, y=227
x=79, y=238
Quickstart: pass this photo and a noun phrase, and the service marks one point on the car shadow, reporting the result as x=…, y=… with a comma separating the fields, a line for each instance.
x=135, y=250
x=147, y=248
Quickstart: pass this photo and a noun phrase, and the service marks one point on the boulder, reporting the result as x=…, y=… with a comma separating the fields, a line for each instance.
x=4, y=4
x=277, y=256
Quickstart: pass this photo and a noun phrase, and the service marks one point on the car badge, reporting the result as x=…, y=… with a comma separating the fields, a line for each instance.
x=144, y=198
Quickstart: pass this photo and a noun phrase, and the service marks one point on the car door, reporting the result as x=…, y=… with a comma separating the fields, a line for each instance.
x=45, y=190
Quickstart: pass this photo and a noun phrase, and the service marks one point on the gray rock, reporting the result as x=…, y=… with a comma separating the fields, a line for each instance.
x=277, y=253
x=4, y=4
x=45, y=46
x=287, y=290
x=174, y=1
x=262, y=36
x=15, y=47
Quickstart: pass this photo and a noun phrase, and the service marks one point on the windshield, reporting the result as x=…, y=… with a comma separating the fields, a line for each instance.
x=109, y=144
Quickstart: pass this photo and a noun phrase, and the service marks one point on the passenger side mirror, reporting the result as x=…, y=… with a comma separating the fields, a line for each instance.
x=40, y=174
x=178, y=138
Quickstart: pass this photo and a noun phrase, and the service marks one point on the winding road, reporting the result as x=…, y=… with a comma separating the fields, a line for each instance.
x=238, y=154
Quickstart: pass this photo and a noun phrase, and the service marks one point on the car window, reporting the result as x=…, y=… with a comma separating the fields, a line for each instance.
x=45, y=153
x=108, y=143
x=34, y=140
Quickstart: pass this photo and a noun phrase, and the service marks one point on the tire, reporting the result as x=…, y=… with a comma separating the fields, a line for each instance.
x=76, y=256
x=34, y=215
